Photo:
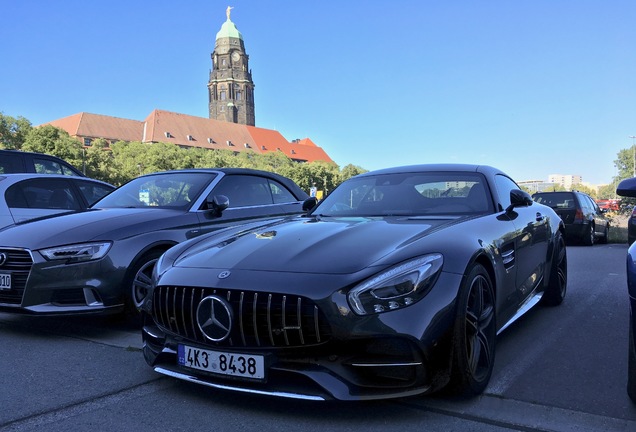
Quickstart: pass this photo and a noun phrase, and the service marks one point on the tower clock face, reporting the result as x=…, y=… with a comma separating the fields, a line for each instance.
x=236, y=56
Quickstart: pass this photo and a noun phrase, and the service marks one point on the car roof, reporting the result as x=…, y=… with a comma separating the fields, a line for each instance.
x=437, y=167
x=15, y=177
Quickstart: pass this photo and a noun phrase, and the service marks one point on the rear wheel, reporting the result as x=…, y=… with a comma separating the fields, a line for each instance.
x=631, y=368
x=474, y=334
x=557, y=285
x=605, y=237
x=588, y=237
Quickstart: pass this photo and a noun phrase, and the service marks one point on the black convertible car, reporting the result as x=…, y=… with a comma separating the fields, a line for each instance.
x=101, y=260
x=396, y=284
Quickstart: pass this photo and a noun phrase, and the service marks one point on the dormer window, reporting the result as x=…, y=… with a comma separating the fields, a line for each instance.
x=211, y=141
x=190, y=137
x=168, y=135
x=247, y=145
x=229, y=143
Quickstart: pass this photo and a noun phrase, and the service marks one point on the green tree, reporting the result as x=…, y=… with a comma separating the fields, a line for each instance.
x=13, y=131
x=54, y=141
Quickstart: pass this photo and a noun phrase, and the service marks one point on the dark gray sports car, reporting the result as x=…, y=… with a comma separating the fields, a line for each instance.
x=627, y=188
x=101, y=260
x=396, y=284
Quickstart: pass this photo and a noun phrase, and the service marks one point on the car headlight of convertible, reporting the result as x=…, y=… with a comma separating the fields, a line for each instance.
x=76, y=253
x=397, y=287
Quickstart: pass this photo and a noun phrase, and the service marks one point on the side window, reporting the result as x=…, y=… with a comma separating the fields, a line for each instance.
x=244, y=190
x=280, y=193
x=504, y=186
x=45, y=166
x=48, y=166
x=92, y=192
x=10, y=164
x=42, y=194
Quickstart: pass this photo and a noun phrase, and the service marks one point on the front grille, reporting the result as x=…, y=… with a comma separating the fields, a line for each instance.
x=261, y=320
x=18, y=263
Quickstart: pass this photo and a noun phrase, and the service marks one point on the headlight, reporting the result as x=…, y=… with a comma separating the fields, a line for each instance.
x=77, y=253
x=397, y=287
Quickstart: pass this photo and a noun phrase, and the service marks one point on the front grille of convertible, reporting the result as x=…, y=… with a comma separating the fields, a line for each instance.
x=18, y=263
x=261, y=320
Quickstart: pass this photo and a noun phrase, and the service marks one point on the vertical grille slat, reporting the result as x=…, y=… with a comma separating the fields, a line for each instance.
x=299, y=320
x=260, y=319
x=254, y=321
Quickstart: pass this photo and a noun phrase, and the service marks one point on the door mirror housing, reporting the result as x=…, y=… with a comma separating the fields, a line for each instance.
x=519, y=198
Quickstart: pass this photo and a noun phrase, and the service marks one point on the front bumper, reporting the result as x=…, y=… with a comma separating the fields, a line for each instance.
x=395, y=354
x=54, y=288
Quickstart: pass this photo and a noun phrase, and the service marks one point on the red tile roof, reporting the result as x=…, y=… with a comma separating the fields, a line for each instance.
x=186, y=130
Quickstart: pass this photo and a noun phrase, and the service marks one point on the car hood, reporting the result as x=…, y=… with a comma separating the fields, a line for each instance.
x=333, y=245
x=95, y=224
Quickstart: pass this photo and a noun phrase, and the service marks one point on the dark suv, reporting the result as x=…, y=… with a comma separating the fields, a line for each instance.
x=16, y=161
x=583, y=219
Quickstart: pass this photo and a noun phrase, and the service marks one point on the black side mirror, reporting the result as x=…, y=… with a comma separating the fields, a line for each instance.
x=627, y=188
x=309, y=203
x=519, y=198
x=218, y=204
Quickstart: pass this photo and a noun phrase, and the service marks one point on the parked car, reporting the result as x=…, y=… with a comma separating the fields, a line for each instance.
x=609, y=204
x=584, y=220
x=29, y=196
x=396, y=284
x=100, y=260
x=15, y=161
x=627, y=188
x=631, y=226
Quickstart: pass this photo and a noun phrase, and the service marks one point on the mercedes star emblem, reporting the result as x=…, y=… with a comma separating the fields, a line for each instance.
x=214, y=317
x=3, y=258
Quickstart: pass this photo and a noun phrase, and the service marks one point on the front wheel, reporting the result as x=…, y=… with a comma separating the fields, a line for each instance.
x=474, y=334
x=139, y=281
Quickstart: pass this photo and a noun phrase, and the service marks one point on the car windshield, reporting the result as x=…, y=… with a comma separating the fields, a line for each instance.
x=167, y=190
x=409, y=194
x=556, y=200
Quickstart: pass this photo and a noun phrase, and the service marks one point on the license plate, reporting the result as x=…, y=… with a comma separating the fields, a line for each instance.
x=5, y=281
x=220, y=362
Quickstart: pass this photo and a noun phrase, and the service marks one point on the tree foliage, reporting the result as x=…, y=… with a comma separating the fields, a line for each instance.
x=121, y=161
x=13, y=131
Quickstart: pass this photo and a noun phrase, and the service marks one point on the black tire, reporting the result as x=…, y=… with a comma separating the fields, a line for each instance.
x=558, y=283
x=605, y=238
x=588, y=237
x=138, y=282
x=474, y=334
x=631, y=367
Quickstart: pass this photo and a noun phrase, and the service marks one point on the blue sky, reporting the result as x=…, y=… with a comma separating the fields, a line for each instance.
x=534, y=87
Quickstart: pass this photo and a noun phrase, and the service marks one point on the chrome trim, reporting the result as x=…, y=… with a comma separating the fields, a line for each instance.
x=525, y=307
x=196, y=380
x=387, y=364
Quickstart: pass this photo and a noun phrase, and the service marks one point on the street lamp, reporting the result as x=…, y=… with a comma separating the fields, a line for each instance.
x=633, y=155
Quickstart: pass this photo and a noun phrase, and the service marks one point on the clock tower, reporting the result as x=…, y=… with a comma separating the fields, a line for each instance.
x=231, y=89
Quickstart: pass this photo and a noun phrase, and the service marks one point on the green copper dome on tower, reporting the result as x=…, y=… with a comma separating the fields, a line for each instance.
x=228, y=29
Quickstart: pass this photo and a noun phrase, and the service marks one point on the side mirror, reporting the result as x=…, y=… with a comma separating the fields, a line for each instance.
x=519, y=198
x=309, y=203
x=218, y=204
x=627, y=188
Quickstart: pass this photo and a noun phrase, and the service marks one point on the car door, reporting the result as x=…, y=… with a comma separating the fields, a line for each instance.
x=600, y=221
x=32, y=198
x=250, y=197
x=532, y=232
